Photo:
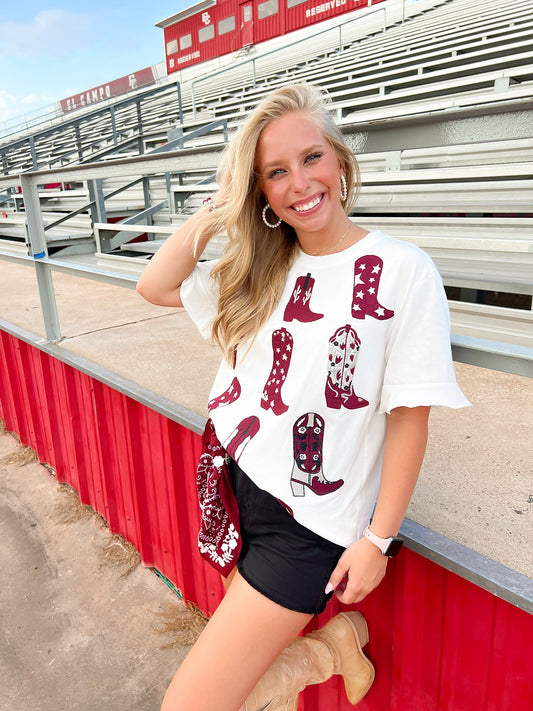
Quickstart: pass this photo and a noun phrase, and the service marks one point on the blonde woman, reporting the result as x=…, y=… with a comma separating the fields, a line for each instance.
x=335, y=344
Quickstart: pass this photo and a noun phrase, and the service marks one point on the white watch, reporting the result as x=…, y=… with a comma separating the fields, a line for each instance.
x=388, y=546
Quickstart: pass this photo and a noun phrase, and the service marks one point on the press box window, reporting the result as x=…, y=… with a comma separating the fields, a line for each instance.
x=185, y=42
x=206, y=33
x=267, y=9
x=247, y=13
x=172, y=47
x=226, y=25
x=293, y=3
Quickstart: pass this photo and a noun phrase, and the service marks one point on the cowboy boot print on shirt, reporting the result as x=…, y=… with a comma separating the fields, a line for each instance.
x=241, y=436
x=367, y=275
x=342, y=358
x=308, y=440
x=228, y=396
x=298, y=306
x=282, y=344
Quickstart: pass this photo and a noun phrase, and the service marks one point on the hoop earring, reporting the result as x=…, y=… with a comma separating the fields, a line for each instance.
x=267, y=223
x=344, y=189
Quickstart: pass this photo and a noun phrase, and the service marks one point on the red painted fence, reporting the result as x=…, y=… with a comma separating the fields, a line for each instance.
x=439, y=642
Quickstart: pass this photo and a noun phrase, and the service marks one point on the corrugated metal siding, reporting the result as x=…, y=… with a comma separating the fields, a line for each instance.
x=131, y=464
x=439, y=643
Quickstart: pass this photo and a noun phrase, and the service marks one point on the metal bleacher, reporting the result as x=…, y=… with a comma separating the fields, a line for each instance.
x=435, y=99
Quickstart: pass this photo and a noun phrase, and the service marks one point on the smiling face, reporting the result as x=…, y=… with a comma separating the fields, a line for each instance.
x=300, y=176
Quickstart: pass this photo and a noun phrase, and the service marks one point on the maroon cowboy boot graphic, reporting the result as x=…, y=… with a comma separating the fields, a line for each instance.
x=342, y=358
x=227, y=397
x=367, y=275
x=308, y=438
x=282, y=343
x=241, y=436
x=298, y=306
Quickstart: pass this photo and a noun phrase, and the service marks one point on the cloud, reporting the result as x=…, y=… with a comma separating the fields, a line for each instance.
x=14, y=107
x=54, y=33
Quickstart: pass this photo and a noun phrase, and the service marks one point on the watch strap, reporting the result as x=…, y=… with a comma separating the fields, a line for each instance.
x=388, y=546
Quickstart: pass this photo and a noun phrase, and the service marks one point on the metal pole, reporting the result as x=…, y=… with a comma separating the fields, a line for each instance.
x=78, y=142
x=33, y=152
x=168, y=183
x=146, y=194
x=38, y=250
x=140, y=127
x=96, y=196
x=180, y=106
x=113, y=124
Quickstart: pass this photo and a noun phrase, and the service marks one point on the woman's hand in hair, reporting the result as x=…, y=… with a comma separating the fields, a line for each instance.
x=219, y=198
x=161, y=279
x=360, y=569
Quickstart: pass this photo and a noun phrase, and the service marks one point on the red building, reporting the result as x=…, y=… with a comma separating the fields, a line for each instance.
x=211, y=29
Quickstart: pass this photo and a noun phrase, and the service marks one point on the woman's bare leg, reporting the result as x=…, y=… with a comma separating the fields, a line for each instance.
x=241, y=640
x=226, y=582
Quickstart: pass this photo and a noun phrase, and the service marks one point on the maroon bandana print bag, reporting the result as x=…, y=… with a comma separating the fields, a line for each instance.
x=219, y=539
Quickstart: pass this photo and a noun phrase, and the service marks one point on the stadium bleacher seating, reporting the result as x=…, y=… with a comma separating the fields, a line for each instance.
x=465, y=197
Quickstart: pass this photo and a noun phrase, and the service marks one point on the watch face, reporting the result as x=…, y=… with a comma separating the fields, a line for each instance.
x=394, y=546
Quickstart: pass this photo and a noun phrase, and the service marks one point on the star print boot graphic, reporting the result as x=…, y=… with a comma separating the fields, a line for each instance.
x=282, y=343
x=367, y=275
x=227, y=397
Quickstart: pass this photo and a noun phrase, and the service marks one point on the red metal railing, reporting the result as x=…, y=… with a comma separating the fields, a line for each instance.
x=439, y=642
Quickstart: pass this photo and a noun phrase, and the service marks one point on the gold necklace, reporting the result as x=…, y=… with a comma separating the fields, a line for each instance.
x=331, y=249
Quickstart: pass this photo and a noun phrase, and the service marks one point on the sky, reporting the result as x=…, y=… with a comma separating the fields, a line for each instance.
x=52, y=49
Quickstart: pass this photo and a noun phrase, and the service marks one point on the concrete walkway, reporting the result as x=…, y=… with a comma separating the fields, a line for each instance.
x=76, y=636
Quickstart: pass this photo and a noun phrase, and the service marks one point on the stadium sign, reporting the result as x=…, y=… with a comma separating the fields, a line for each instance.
x=324, y=7
x=130, y=82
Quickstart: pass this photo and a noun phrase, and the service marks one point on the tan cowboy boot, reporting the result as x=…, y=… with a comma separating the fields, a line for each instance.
x=336, y=648
x=345, y=635
x=305, y=661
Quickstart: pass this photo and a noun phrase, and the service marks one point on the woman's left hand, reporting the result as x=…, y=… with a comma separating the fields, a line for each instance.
x=360, y=569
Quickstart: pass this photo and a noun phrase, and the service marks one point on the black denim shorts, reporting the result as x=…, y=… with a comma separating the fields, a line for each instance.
x=280, y=558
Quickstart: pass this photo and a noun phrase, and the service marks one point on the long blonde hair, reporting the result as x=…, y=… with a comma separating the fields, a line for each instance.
x=253, y=268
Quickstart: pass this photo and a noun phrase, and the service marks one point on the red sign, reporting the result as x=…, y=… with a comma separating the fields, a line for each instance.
x=144, y=77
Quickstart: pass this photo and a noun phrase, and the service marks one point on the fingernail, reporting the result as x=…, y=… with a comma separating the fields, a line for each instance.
x=329, y=588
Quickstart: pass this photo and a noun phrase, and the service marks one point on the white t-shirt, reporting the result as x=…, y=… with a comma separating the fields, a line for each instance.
x=303, y=411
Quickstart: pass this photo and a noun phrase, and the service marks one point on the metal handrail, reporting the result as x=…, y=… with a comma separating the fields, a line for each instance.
x=85, y=207
x=76, y=121
x=169, y=145
x=109, y=151
x=165, y=148
x=63, y=121
x=93, y=114
x=178, y=142
x=253, y=60
x=505, y=357
x=147, y=166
